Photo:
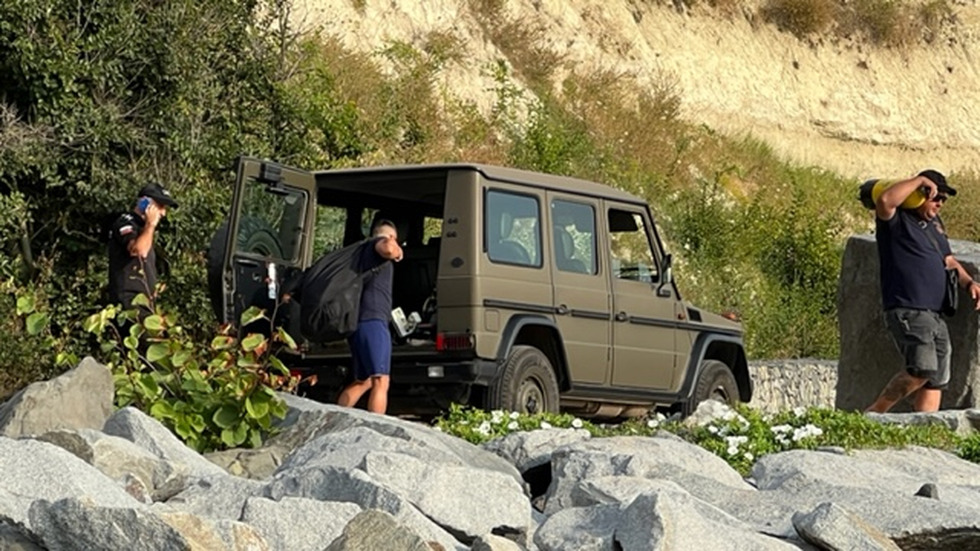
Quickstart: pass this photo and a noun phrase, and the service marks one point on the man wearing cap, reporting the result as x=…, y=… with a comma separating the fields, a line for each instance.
x=914, y=253
x=132, y=261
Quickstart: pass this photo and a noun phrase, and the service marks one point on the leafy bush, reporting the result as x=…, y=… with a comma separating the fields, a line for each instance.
x=800, y=17
x=214, y=397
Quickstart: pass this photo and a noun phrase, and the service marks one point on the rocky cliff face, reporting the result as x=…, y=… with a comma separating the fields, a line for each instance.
x=856, y=109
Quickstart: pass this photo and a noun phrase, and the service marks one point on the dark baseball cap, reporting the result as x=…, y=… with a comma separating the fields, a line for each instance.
x=158, y=193
x=940, y=181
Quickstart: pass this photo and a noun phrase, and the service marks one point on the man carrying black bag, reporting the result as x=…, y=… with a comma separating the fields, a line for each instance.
x=914, y=257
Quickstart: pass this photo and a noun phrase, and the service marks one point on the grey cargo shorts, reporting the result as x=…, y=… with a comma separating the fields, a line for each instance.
x=923, y=340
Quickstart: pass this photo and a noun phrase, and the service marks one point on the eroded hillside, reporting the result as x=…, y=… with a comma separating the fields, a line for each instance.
x=858, y=109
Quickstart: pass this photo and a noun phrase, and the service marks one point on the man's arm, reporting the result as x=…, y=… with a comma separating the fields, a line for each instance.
x=966, y=281
x=142, y=245
x=892, y=198
x=388, y=248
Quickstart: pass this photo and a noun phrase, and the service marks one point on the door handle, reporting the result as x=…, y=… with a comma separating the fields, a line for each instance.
x=561, y=310
x=621, y=316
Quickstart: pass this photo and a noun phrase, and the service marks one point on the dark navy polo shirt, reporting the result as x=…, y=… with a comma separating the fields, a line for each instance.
x=376, y=292
x=129, y=275
x=912, y=268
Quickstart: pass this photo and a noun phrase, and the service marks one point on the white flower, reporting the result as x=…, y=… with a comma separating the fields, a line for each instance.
x=496, y=416
x=464, y=422
x=514, y=415
x=732, y=451
x=484, y=428
x=723, y=431
x=545, y=425
x=806, y=431
x=712, y=429
x=799, y=411
x=661, y=417
x=781, y=429
x=512, y=425
x=437, y=429
x=653, y=423
x=749, y=456
x=576, y=423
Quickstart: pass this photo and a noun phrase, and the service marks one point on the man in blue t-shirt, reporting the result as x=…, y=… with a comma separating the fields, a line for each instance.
x=370, y=344
x=914, y=254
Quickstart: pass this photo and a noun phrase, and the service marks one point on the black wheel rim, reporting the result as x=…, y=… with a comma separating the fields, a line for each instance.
x=720, y=394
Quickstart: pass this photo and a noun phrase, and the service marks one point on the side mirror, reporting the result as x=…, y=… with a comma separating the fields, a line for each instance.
x=666, y=277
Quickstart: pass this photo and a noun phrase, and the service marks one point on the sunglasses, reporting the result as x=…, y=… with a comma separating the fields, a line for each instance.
x=939, y=199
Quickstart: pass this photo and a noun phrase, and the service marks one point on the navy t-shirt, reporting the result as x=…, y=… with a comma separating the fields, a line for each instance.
x=376, y=292
x=129, y=275
x=912, y=268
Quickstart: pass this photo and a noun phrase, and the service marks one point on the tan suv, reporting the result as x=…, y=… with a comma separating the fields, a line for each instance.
x=531, y=292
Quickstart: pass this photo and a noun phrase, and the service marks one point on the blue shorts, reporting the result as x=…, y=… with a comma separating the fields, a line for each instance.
x=370, y=348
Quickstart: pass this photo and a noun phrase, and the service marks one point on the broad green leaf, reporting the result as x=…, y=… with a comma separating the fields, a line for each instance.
x=254, y=439
x=131, y=342
x=157, y=352
x=226, y=416
x=197, y=422
x=277, y=364
x=180, y=357
x=256, y=409
x=285, y=338
x=141, y=300
x=252, y=341
x=149, y=385
x=228, y=438
x=36, y=323
x=247, y=361
x=153, y=323
x=252, y=315
x=162, y=410
x=241, y=434
x=25, y=304
x=222, y=343
x=183, y=428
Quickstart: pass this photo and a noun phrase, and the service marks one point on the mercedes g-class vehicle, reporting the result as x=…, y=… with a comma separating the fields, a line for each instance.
x=518, y=291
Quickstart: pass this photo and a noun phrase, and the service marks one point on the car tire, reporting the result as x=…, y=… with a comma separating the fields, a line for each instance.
x=527, y=384
x=254, y=236
x=715, y=382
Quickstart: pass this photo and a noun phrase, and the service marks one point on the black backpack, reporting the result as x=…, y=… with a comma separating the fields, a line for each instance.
x=330, y=295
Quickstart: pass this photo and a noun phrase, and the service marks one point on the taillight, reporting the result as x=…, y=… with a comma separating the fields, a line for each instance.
x=454, y=341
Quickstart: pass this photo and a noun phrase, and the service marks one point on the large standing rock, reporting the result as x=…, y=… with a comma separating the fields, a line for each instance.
x=117, y=457
x=832, y=528
x=868, y=357
x=34, y=470
x=278, y=521
x=148, y=433
x=70, y=525
x=78, y=399
x=579, y=528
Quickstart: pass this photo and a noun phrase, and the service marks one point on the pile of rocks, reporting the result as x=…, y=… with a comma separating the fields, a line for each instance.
x=76, y=476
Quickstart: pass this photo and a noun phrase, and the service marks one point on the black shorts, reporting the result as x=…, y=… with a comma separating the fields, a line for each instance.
x=923, y=340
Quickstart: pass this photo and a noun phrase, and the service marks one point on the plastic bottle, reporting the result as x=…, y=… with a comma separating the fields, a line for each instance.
x=272, y=281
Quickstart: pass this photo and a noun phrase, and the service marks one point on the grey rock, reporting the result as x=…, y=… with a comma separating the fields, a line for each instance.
x=307, y=420
x=373, y=529
x=277, y=521
x=673, y=520
x=347, y=448
x=529, y=449
x=490, y=542
x=928, y=490
x=217, y=497
x=14, y=536
x=695, y=469
x=149, y=434
x=217, y=535
x=117, y=457
x=80, y=398
x=782, y=385
x=832, y=528
x=579, y=528
x=707, y=412
x=468, y=502
x=35, y=470
x=70, y=524
x=255, y=464
x=959, y=420
x=868, y=358
x=355, y=486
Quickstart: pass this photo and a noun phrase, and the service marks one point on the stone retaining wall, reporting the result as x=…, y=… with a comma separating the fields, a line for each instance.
x=785, y=384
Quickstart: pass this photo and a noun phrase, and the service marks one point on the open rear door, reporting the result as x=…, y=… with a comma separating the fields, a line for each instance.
x=273, y=209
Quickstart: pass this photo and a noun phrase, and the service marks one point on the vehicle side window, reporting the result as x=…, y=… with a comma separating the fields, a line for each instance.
x=573, y=233
x=271, y=224
x=630, y=252
x=513, y=228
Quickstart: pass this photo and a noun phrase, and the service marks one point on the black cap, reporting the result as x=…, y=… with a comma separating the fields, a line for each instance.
x=938, y=179
x=157, y=192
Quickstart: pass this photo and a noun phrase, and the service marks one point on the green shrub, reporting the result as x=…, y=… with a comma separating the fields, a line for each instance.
x=212, y=397
x=800, y=17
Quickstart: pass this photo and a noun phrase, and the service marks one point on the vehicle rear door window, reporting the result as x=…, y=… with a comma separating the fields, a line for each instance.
x=513, y=228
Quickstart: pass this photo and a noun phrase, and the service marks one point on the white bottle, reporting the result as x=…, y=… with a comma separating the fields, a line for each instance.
x=272, y=281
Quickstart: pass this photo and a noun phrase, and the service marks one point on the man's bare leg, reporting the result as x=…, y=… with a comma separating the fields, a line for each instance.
x=928, y=399
x=378, y=399
x=901, y=385
x=353, y=392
